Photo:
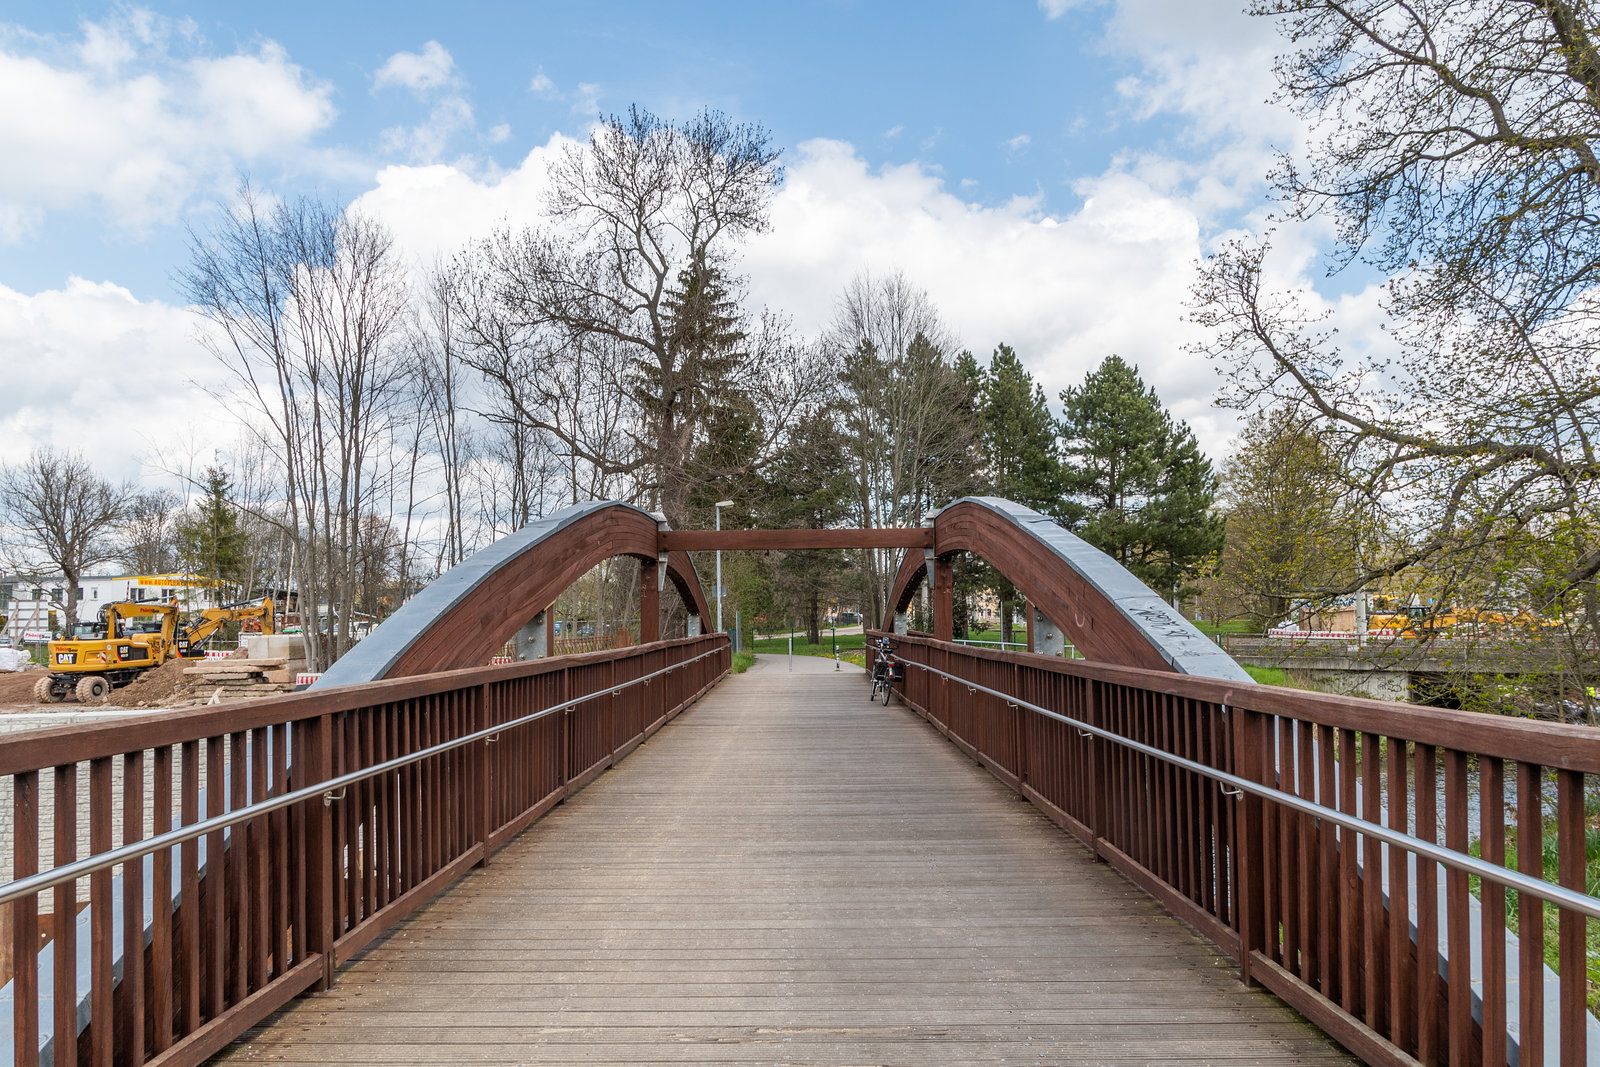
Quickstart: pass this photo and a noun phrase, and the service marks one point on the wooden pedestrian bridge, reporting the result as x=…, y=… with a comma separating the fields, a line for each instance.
x=635, y=857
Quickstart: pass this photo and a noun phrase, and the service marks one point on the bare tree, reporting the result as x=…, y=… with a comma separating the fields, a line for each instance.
x=912, y=433
x=1455, y=149
x=59, y=511
x=149, y=532
x=441, y=399
x=305, y=304
x=629, y=284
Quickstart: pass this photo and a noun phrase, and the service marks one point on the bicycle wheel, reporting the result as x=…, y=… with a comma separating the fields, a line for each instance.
x=888, y=689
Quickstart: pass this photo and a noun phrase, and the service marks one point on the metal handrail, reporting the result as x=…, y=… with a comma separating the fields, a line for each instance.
x=36, y=883
x=1556, y=894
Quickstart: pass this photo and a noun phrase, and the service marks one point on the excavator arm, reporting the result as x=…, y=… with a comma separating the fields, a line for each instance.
x=212, y=619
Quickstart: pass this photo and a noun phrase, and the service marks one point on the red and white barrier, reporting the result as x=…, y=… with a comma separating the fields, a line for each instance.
x=218, y=655
x=306, y=679
x=1328, y=635
x=496, y=661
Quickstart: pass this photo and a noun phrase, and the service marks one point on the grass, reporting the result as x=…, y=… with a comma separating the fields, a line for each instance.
x=1231, y=626
x=1271, y=676
x=743, y=661
x=850, y=647
x=779, y=646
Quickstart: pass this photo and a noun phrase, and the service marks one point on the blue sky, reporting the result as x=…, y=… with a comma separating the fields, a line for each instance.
x=1048, y=170
x=998, y=98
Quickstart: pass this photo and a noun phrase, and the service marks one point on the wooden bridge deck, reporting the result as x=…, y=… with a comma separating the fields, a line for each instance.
x=790, y=875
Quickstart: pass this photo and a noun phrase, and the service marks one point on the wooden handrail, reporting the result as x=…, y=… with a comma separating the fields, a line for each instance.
x=394, y=790
x=1325, y=842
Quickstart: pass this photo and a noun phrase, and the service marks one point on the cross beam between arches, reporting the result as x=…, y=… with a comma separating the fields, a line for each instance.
x=788, y=540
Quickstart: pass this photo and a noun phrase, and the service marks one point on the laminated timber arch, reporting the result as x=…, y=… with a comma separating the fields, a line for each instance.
x=466, y=615
x=1108, y=614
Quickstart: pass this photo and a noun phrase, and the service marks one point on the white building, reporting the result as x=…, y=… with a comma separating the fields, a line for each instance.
x=37, y=605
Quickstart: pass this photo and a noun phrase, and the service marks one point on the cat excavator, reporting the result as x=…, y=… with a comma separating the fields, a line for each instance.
x=129, y=637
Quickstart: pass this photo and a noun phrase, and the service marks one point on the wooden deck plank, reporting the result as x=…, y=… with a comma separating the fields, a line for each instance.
x=789, y=874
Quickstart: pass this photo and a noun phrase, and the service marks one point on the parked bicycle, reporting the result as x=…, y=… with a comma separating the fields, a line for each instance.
x=886, y=670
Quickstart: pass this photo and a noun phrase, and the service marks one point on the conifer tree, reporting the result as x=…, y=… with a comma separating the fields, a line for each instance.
x=1020, y=459
x=1019, y=434
x=210, y=538
x=1137, y=486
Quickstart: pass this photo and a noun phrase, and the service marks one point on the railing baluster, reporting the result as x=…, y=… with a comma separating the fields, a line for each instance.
x=63, y=920
x=25, y=920
x=102, y=1025
x=1327, y=866
x=1571, y=868
x=1492, y=832
x=1304, y=761
x=1530, y=916
x=237, y=933
x=1351, y=913
x=1401, y=982
x=1427, y=792
x=213, y=888
x=259, y=970
x=161, y=932
x=1373, y=920
x=1460, y=939
x=130, y=1014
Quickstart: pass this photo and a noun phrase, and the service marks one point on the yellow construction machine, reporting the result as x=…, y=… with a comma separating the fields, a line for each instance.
x=129, y=637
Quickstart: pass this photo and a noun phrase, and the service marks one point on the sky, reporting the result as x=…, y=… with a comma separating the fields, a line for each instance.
x=1049, y=170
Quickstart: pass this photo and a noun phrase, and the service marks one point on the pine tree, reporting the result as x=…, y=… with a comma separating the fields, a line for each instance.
x=210, y=538
x=1019, y=434
x=693, y=397
x=1137, y=486
x=1019, y=453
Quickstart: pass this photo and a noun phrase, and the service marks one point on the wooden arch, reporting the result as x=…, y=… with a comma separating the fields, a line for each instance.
x=465, y=616
x=1108, y=614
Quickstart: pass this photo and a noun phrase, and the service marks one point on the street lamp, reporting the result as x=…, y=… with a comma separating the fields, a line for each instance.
x=718, y=506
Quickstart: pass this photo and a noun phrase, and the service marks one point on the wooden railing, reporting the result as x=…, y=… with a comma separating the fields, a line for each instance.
x=244, y=853
x=1354, y=856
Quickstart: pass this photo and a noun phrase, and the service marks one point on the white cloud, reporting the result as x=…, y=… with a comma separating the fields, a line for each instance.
x=124, y=120
x=586, y=100
x=498, y=134
x=1064, y=291
x=892, y=132
x=1054, y=9
x=428, y=141
x=421, y=72
x=96, y=370
x=1018, y=143
x=542, y=84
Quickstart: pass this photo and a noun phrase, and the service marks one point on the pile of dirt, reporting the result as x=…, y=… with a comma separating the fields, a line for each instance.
x=154, y=686
x=16, y=687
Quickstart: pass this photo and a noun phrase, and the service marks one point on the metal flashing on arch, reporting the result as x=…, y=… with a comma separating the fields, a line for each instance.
x=1105, y=611
x=460, y=618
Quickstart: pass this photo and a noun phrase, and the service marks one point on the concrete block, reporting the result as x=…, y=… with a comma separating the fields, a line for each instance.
x=276, y=646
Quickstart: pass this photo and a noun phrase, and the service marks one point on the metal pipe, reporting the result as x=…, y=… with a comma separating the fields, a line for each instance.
x=1559, y=895
x=35, y=883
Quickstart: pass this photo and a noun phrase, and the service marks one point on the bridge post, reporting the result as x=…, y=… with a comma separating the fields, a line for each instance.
x=901, y=623
x=694, y=626
x=534, y=639
x=943, y=599
x=1044, y=636
x=649, y=602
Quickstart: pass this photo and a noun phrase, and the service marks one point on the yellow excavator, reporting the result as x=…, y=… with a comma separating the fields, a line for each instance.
x=129, y=637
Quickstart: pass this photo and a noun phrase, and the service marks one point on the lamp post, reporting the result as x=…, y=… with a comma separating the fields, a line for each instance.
x=718, y=506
